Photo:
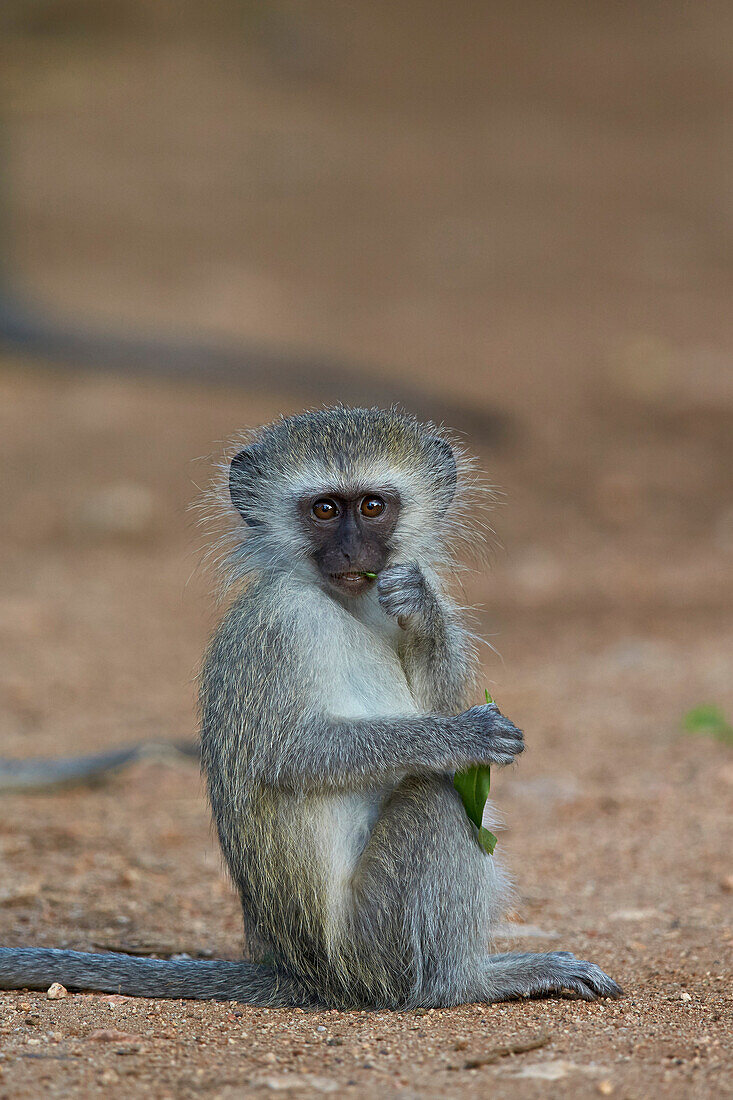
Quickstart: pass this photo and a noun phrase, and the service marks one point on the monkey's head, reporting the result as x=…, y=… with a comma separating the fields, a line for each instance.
x=343, y=492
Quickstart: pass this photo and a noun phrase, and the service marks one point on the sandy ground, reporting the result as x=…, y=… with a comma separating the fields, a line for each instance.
x=545, y=233
x=618, y=824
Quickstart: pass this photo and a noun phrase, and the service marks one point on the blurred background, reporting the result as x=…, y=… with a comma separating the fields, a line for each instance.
x=514, y=217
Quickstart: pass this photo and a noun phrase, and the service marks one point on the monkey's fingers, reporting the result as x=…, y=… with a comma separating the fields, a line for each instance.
x=402, y=590
x=589, y=981
x=503, y=740
x=504, y=752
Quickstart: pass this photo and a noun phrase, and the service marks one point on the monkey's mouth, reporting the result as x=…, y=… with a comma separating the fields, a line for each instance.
x=352, y=581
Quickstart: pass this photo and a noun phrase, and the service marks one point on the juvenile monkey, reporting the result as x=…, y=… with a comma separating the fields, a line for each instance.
x=332, y=719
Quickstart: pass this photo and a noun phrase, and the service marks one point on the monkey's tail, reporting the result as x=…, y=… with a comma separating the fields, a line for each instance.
x=188, y=979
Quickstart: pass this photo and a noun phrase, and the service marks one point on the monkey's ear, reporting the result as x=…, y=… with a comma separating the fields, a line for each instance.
x=445, y=461
x=245, y=468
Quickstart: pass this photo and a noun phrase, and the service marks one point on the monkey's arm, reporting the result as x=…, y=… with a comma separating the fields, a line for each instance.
x=344, y=753
x=435, y=650
x=263, y=720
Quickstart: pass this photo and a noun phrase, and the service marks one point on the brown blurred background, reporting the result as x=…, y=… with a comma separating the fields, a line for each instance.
x=518, y=214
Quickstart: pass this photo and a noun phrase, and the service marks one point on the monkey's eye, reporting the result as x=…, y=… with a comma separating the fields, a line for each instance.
x=371, y=507
x=325, y=509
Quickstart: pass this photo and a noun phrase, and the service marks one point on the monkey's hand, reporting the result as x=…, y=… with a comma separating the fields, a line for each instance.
x=497, y=740
x=405, y=595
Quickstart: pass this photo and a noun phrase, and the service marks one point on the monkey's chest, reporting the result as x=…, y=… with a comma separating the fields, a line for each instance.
x=365, y=681
x=346, y=821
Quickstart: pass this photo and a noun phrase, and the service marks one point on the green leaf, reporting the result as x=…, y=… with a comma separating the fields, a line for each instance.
x=487, y=840
x=710, y=721
x=473, y=786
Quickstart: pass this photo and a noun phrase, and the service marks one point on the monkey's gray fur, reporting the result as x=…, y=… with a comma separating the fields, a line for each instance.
x=331, y=725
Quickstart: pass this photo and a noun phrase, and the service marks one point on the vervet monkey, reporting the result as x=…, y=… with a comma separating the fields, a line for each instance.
x=332, y=720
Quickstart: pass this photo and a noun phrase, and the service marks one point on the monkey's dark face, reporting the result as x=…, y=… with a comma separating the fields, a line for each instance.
x=350, y=536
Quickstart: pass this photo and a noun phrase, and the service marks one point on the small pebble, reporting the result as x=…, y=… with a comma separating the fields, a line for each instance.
x=56, y=991
x=685, y=997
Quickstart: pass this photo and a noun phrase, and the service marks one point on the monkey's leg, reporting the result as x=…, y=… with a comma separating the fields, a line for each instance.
x=193, y=979
x=425, y=898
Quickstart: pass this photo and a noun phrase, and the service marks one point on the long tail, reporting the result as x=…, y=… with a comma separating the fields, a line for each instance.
x=189, y=979
x=65, y=771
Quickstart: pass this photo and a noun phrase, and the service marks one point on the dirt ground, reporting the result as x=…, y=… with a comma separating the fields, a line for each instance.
x=543, y=229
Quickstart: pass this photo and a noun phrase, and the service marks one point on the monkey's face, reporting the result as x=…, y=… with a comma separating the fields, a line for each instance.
x=343, y=492
x=350, y=535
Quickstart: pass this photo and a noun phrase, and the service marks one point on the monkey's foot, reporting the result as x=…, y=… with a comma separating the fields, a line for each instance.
x=527, y=975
